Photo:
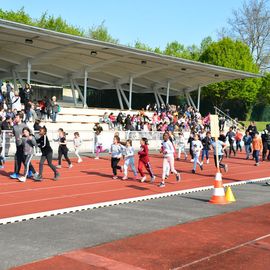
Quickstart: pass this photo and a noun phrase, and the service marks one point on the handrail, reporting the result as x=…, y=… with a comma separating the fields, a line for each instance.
x=218, y=112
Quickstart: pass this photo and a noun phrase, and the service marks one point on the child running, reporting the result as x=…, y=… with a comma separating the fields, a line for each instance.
x=77, y=141
x=196, y=149
x=181, y=146
x=99, y=147
x=47, y=154
x=257, y=148
x=116, y=153
x=62, y=149
x=28, y=143
x=168, y=159
x=129, y=160
x=144, y=161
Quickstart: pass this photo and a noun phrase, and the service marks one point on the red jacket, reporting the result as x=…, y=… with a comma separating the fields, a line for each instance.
x=143, y=154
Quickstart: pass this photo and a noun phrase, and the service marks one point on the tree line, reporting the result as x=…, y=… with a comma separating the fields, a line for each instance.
x=243, y=45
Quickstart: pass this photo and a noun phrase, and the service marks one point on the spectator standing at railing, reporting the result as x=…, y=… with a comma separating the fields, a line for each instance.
x=9, y=90
x=27, y=93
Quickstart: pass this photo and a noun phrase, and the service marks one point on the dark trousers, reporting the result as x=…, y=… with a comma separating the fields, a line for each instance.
x=231, y=149
x=220, y=157
x=238, y=146
x=256, y=154
x=1, y=157
x=49, y=158
x=18, y=158
x=205, y=152
x=114, y=165
x=28, y=165
x=63, y=151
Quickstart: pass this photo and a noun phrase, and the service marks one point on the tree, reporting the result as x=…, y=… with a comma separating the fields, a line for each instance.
x=232, y=54
x=101, y=32
x=251, y=24
x=19, y=16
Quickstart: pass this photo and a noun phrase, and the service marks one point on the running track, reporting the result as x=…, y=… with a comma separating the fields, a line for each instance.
x=90, y=182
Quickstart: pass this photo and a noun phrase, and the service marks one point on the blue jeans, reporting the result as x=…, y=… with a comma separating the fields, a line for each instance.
x=196, y=160
x=256, y=154
x=54, y=115
x=247, y=148
x=205, y=152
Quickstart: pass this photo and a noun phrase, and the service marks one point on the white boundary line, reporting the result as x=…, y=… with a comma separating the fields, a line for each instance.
x=4, y=221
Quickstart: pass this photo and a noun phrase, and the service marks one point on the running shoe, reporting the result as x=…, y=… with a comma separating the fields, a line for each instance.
x=193, y=171
x=38, y=177
x=178, y=177
x=161, y=184
x=96, y=158
x=143, y=179
x=115, y=177
x=56, y=176
x=70, y=166
x=79, y=160
x=125, y=178
x=14, y=176
x=201, y=167
x=59, y=166
x=267, y=183
x=226, y=168
x=153, y=179
x=22, y=179
x=30, y=174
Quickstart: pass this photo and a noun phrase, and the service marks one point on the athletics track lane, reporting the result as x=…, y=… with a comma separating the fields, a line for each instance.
x=237, y=240
x=90, y=182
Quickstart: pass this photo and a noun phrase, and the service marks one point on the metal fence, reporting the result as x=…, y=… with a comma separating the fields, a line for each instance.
x=89, y=140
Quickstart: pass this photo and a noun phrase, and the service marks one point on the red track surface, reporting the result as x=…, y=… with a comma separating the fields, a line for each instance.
x=90, y=182
x=238, y=240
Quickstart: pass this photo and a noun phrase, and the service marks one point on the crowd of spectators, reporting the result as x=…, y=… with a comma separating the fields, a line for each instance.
x=164, y=118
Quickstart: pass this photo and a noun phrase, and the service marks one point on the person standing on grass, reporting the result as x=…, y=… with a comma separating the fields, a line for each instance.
x=77, y=142
x=247, y=143
x=47, y=154
x=257, y=148
x=116, y=154
x=62, y=149
x=168, y=151
x=28, y=143
x=144, y=160
x=129, y=160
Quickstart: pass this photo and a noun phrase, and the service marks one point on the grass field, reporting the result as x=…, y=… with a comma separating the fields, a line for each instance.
x=260, y=125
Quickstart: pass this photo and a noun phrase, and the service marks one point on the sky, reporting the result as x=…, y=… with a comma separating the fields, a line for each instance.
x=153, y=22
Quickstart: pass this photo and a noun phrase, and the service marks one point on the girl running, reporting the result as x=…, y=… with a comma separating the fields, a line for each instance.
x=257, y=147
x=116, y=153
x=47, y=154
x=99, y=147
x=62, y=149
x=144, y=161
x=206, y=142
x=28, y=143
x=168, y=159
x=77, y=141
x=196, y=149
x=181, y=146
x=129, y=160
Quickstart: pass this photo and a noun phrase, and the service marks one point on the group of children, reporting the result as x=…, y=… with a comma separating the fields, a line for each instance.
x=120, y=149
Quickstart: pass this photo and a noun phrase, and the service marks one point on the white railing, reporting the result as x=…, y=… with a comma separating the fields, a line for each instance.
x=89, y=140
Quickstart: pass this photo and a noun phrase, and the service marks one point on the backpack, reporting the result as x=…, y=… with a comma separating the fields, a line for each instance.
x=59, y=108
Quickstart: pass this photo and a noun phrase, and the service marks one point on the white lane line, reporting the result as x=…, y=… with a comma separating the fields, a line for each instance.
x=116, y=202
x=222, y=252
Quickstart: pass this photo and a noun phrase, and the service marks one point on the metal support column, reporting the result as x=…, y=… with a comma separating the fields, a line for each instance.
x=85, y=89
x=187, y=98
x=130, y=92
x=123, y=95
x=73, y=93
x=28, y=72
x=160, y=97
x=191, y=100
x=156, y=97
x=78, y=89
x=168, y=93
x=19, y=78
x=199, y=98
x=119, y=97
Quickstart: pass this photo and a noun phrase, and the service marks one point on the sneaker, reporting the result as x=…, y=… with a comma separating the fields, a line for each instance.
x=161, y=184
x=207, y=161
x=201, y=167
x=70, y=166
x=257, y=164
x=153, y=179
x=192, y=160
x=125, y=178
x=96, y=158
x=178, y=177
x=22, y=179
x=166, y=176
x=59, y=166
x=56, y=176
x=226, y=168
x=115, y=177
x=14, y=176
x=79, y=160
x=143, y=179
x=35, y=175
x=193, y=171
x=38, y=177
x=2, y=167
x=30, y=174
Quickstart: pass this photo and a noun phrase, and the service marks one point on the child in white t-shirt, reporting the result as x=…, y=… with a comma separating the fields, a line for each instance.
x=196, y=147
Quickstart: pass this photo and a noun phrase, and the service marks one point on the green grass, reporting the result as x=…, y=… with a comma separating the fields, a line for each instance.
x=260, y=125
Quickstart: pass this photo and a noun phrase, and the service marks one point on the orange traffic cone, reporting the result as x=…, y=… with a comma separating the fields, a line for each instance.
x=218, y=196
x=229, y=195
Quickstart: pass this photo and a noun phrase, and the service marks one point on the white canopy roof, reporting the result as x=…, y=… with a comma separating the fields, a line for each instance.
x=57, y=59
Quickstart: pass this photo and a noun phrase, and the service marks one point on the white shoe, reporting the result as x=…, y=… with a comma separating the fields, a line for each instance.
x=192, y=160
x=96, y=157
x=70, y=166
x=207, y=161
x=22, y=179
x=79, y=160
x=153, y=179
x=59, y=166
x=143, y=179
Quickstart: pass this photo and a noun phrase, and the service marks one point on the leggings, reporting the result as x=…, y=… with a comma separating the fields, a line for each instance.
x=63, y=151
x=49, y=160
x=147, y=167
x=28, y=165
x=77, y=152
x=168, y=165
x=129, y=162
x=19, y=157
x=115, y=166
x=99, y=149
x=220, y=157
